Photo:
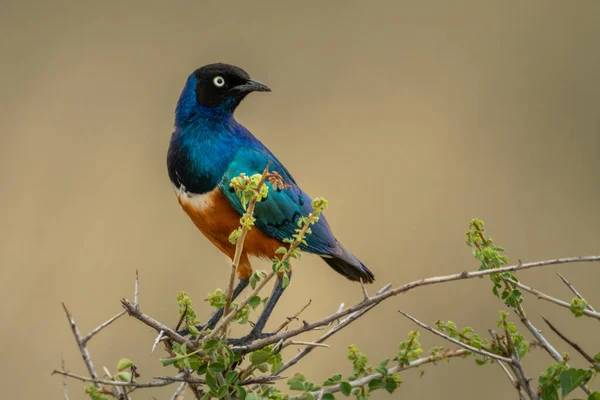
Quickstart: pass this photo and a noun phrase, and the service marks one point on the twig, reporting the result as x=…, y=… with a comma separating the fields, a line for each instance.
x=540, y=338
x=65, y=389
x=303, y=343
x=102, y=326
x=345, y=322
x=161, y=381
x=116, y=389
x=136, y=292
x=85, y=354
x=551, y=299
x=157, y=340
x=261, y=380
x=415, y=364
x=135, y=312
x=457, y=342
x=516, y=362
x=403, y=289
x=573, y=345
x=566, y=282
x=239, y=245
x=293, y=317
x=178, y=392
x=512, y=380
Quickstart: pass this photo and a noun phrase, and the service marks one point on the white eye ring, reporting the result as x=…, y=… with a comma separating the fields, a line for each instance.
x=219, y=81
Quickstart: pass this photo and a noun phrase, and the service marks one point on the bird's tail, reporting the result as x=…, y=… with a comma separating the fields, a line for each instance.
x=345, y=263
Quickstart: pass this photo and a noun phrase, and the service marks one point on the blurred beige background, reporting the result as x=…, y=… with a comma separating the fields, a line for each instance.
x=410, y=117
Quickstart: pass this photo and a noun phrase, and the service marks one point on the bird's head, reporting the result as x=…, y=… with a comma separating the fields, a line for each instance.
x=216, y=89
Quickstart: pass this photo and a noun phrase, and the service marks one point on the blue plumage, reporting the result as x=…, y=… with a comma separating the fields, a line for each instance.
x=209, y=148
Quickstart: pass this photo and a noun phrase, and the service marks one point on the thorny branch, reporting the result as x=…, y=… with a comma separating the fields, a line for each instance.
x=415, y=364
x=350, y=314
x=574, y=345
x=374, y=300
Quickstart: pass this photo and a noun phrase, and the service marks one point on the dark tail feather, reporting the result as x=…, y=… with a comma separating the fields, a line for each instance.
x=350, y=271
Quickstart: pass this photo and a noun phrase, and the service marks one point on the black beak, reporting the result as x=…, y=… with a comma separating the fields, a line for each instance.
x=251, y=86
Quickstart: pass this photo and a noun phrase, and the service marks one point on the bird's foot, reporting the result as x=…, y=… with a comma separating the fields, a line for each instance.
x=249, y=338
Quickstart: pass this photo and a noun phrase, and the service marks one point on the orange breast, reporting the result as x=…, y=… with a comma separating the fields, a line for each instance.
x=216, y=219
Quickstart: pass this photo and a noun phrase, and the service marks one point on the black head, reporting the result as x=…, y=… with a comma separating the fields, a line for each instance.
x=224, y=84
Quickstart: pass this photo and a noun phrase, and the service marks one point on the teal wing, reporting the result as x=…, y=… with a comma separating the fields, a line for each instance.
x=278, y=214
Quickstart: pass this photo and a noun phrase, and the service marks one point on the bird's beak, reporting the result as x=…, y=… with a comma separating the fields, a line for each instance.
x=252, y=86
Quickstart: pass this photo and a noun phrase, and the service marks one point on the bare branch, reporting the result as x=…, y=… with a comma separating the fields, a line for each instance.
x=65, y=389
x=85, y=354
x=178, y=392
x=574, y=345
x=102, y=326
x=403, y=289
x=457, y=342
x=303, y=343
x=345, y=322
x=136, y=291
x=551, y=299
x=566, y=282
x=516, y=362
x=160, y=381
x=135, y=312
x=116, y=389
x=293, y=317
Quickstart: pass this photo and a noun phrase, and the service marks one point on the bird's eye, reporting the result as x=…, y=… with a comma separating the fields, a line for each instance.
x=219, y=81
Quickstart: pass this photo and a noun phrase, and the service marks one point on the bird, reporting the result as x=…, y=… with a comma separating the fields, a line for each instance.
x=208, y=148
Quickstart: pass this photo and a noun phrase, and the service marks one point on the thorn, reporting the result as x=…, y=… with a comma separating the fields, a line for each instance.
x=136, y=295
x=158, y=338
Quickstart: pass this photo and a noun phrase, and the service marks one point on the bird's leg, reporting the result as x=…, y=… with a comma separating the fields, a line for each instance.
x=219, y=313
x=257, y=330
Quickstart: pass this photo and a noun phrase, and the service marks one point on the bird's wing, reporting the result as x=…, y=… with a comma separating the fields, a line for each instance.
x=278, y=214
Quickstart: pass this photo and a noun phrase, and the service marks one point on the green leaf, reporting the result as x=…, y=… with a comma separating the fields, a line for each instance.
x=296, y=382
x=334, y=380
x=376, y=384
x=254, y=301
x=549, y=393
x=346, y=388
x=222, y=391
x=205, y=396
x=124, y=376
x=594, y=396
x=264, y=367
x=124, y=363
x=168, y=361
x=572, y=378
x=241, y=393
x=193, y=330
x=259, y=356
x=201, y=370
x=390, y=385
x=328, y=396
x=597, y=357
x=216, y=367
x=211, y=346
x=285, y=281
x=231, y=377
x=211, y=381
